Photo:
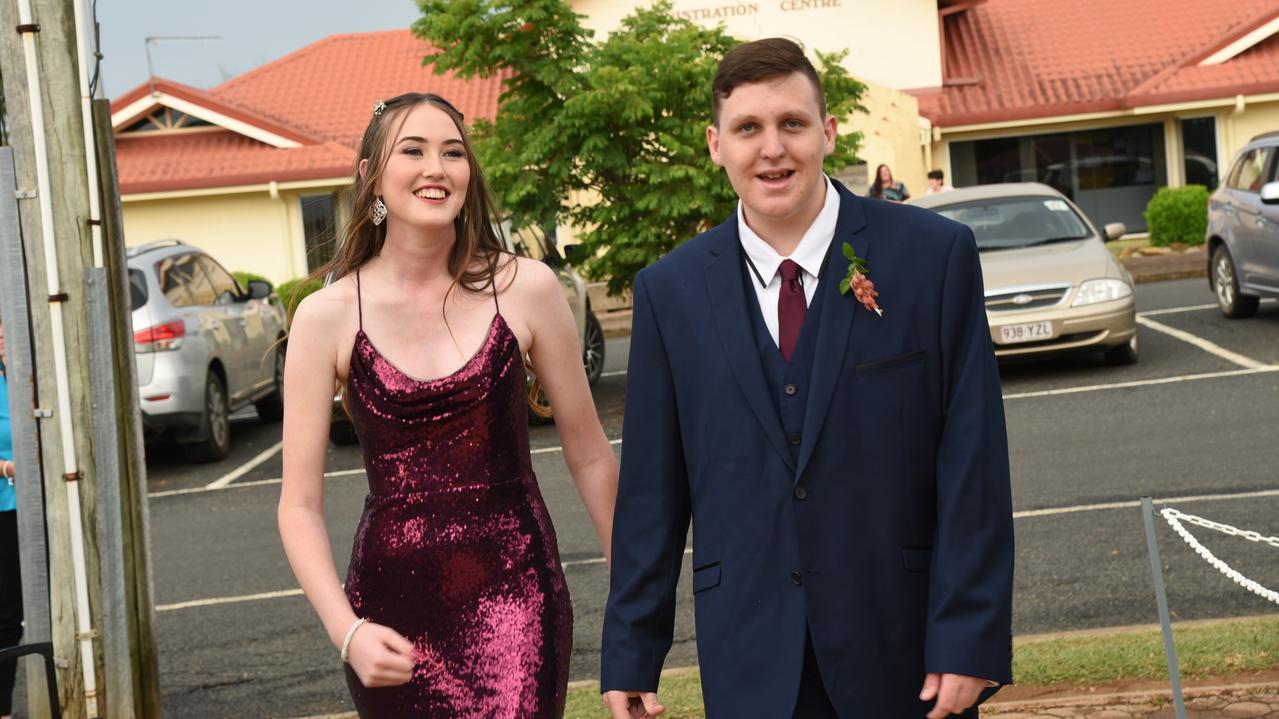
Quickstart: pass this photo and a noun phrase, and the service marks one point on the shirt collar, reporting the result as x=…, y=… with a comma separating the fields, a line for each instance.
x=812, y=247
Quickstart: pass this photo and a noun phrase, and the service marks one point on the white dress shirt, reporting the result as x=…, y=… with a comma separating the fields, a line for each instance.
x=808, y=254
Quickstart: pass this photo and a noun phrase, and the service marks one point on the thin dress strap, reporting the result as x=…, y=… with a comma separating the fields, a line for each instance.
x=496, y=307
x=359, y=302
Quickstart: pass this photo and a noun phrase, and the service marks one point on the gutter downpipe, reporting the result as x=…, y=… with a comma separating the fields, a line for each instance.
x=84, y=621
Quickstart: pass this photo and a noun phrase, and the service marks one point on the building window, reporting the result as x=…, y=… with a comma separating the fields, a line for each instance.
x=1199, y=151
x=1111, y=173
x=319, y=229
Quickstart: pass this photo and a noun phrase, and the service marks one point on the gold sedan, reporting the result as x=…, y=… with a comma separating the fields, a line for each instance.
x=1051, y=284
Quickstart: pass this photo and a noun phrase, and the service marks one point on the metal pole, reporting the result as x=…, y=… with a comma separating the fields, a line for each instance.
x=1161, y=598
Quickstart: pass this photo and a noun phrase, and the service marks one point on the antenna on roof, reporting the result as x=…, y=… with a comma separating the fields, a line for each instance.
x=153, y=39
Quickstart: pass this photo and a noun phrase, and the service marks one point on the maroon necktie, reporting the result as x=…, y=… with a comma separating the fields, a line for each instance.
x=791, y=307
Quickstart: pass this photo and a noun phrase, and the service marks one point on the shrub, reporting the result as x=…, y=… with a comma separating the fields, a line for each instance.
x=244, y=277
x=1178, y=214
x=294, y=291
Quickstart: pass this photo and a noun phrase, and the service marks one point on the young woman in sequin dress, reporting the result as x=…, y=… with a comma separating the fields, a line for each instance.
x=455, y=603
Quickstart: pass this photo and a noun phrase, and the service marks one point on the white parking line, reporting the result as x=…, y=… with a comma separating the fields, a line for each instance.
x=1142, y=382
x=255, y=483
x=213, y=486
x=245, y=468
x=596, y=561
x=1203, y=344
x=1189, y=308
x=614, y=373
x=1051, y=512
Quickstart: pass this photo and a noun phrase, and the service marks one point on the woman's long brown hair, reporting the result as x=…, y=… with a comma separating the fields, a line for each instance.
x=479, y=252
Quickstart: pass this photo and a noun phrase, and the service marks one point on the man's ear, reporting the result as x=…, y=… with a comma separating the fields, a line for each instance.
x=712, y=144
x=829, y=125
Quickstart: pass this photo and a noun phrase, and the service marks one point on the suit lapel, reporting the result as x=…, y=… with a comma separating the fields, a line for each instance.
x=728, y=299
x=838, y=313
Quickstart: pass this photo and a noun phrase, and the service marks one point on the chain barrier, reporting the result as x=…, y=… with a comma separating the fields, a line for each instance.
x=1175, y=519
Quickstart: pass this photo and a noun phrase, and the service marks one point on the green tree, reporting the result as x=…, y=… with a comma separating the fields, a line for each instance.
x=608, y=137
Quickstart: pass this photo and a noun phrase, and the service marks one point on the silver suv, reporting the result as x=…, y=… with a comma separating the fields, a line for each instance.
x=206, y=346
x=1243, y=229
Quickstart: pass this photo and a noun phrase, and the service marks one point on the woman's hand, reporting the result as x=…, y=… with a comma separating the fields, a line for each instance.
x=9, y=469
x=380, y=656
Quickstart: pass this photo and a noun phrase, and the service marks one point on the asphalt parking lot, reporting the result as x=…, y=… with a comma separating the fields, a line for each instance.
x=1194, y=423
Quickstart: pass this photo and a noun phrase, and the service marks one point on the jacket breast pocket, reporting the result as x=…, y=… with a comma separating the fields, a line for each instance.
x=888, y=363
x=706, y=577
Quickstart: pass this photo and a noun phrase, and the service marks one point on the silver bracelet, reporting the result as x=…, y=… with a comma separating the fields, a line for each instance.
x=346, y=643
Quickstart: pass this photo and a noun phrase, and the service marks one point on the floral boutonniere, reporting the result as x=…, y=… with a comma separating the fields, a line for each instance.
x=857, y=281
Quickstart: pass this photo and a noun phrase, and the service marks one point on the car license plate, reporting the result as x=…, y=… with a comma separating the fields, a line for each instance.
x=1028, y=332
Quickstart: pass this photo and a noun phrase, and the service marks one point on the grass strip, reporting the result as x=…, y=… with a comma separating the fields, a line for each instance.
x=1204, y=649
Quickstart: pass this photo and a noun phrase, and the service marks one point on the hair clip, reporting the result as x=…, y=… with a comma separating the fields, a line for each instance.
x=379, y=108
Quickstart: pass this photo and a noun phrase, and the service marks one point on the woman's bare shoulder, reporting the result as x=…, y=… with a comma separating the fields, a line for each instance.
x=527, y=278
x=327, y=309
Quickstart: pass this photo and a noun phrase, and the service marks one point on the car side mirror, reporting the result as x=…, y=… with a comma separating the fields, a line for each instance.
x=1115, y=230
x=574, y=254
x=259, y=290
x=1270, y=193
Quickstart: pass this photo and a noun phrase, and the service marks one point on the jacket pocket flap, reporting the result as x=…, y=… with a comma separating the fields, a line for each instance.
x=917, y=559
x=888, y=362
x=705, y=577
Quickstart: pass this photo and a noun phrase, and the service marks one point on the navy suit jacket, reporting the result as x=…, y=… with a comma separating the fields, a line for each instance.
x=898, y=554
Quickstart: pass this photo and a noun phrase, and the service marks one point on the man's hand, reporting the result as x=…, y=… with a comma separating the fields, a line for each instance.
x=632, y=705
x=954, y=693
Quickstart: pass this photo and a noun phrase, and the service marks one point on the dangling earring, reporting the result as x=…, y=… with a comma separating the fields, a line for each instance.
x=378, y=212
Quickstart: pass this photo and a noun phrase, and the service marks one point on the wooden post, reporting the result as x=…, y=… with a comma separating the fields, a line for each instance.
x=134, y=681
x=63, y=203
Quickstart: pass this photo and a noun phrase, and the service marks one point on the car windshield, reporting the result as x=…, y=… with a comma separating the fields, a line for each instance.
x=1010, y=222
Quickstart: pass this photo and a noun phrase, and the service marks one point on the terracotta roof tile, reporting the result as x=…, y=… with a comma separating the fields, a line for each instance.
x=329, y=87
x=1020, y=59
x=321, y=95
x=220, y=158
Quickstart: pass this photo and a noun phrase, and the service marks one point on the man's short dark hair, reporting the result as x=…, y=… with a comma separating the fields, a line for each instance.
x=758, y=61
x=936, y=175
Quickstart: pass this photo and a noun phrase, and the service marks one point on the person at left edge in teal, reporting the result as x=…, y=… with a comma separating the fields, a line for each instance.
x=10, y=580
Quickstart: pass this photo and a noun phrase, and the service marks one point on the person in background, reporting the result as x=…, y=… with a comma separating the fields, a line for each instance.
x=886, y=188
x=10, y=579
x=937, y=183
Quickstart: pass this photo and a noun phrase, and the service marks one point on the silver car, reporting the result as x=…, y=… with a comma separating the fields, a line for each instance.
x=1243, y=230
x=205, y=347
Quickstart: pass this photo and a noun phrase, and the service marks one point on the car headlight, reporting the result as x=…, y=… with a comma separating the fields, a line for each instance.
x=1094, y=291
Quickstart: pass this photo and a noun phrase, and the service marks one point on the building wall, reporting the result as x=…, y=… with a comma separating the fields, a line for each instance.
x=891, y=136
x=249, y=232
x=1239, y=128
x=871, y=30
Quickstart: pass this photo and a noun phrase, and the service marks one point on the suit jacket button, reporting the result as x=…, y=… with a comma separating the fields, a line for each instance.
x=800, y=493
x=790, y=390
x=795, y=439
x=797, y=578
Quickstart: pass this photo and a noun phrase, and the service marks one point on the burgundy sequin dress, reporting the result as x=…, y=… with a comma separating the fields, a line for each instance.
x=455, y=549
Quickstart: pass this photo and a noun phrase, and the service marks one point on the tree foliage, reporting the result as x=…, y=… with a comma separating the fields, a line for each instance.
x=608, y=137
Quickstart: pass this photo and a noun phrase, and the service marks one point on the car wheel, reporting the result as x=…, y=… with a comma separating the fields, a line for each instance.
x=215, y=426
x=593, y=348
x=1124, y=354
x=1225, y=284
x=271, y=407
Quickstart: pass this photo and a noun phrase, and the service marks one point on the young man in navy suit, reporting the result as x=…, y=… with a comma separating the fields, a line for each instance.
x=840, y=451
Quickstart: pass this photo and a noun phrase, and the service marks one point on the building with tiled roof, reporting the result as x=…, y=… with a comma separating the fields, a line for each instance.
x=254, y=170
x=1106, y=100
